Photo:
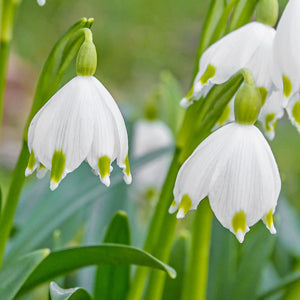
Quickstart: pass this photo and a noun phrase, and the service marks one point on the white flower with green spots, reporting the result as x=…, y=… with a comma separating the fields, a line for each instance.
x=80, y=122
x=236, y=169
x=248, y=47
x=287, y=60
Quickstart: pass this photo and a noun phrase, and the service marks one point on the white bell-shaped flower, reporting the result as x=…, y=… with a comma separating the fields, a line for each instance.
x=286, y=73
x=148, y=136
x=80, y=122
x=236, y=169
x=251, y=47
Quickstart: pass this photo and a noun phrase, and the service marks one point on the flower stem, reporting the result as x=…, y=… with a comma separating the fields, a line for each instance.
x=10, y=206
x=196, y=276
x=156, y=226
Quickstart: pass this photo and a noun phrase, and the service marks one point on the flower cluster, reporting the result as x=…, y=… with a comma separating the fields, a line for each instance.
x=235, y=166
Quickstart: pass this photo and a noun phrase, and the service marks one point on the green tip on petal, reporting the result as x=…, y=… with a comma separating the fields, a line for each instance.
x=239, y=222
x=296, y=112
x=287, y=86
x=57, y=169
x=208, y=74
x=268, y=220
x=127, y=167
x=104, y=169
x=264, y=94
x=31, y=161
x=268, y=120
x=185, y=205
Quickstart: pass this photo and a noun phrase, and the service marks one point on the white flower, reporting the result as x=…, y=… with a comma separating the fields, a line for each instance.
x=251, y=47
x=287, y=60
x=236, y=169
x=41, y=2
x=149, y=136
x=80, y=122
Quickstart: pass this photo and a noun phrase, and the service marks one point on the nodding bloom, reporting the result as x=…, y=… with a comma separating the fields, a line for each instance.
x=148, y=136
x=248, y=47
x=236, y=169
x=80, y=122
x=287, y=60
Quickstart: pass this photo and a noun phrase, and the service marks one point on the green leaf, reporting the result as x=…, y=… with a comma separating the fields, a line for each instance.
x=58, y=293
x=242, y=13
x=112, y=282
x=178, y=259
x=14, y=274
x=62, y=54
x=52, y=209
x=65, y=261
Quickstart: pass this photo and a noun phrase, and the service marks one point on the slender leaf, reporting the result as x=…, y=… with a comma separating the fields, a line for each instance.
x=13, y=275
x=65, y=261
x=178, y=259
x=58, y=293
x=112, y=282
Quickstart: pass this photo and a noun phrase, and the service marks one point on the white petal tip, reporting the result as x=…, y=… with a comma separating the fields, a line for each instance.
x=41, y=2
x=272, y=229
x=41, y=173
x=185, y=103
x=105, y=180
x=28, y=172
x=53, y=185
x=172, y=209
x=127, y=178
x=180, y=214
x=240, y=235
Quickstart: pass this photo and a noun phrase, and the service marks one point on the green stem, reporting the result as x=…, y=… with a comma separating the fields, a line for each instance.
x=10, y=206
x=156, y=225
x=196, y=276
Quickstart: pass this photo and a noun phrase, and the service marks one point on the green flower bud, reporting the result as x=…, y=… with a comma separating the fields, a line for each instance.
x=86, y=62
x=267, y=12
x=247, y=104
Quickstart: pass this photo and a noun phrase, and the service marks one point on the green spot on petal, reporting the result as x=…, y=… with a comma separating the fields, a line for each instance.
x=225, y=115
x=264, y=94
x=31, y=161
x=269, y=218
x=269, y=118
x=58, y=166
x=287, y=86
x=186, y=203
x=209, y=73
x=127, y=167
x=296, y=112
x=104, y=166
x=239, y=222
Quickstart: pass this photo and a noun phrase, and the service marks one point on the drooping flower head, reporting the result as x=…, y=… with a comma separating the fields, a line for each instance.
x=80, y=122
x=287, y=60
x=236, y=169
x=247, y=47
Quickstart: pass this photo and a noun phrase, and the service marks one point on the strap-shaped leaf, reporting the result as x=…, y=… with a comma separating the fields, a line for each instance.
x=65, y=261
x=13, y=275
x=112, y=282
x=77, y=293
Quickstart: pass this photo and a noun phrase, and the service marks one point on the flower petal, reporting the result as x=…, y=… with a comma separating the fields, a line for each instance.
x=293, y=110
x=246, y=180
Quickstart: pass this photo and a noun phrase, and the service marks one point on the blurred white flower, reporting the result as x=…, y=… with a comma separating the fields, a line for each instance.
x=149, y=136
x=41, y=2
x=287, y=60
x=236, y=169
x=250, y=47
x=80, y=122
